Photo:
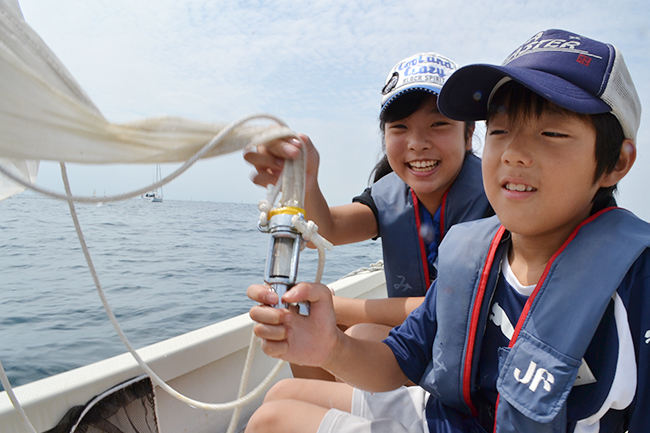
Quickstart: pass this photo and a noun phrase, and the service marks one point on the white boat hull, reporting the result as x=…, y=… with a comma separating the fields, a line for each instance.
x=205, y=365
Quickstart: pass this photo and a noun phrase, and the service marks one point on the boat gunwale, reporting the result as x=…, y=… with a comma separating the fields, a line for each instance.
x=46, y=400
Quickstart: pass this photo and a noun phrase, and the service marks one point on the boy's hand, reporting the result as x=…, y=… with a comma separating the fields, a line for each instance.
x=304, y=340
x=268, y=160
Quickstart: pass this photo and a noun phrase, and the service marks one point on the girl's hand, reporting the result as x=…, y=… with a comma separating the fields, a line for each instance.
x=268, y=160
x=304, y=340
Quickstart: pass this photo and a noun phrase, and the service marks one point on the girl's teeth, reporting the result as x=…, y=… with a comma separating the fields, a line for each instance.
x=423, y=165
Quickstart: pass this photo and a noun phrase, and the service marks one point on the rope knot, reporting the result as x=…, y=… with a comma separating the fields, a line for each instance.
x=309, y=231
x=264, y=207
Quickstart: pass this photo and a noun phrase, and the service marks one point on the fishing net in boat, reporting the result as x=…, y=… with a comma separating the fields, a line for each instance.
x=126, y=408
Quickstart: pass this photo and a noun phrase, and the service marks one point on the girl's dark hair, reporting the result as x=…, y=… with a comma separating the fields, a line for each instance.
x=521, y=104
x=401, y=108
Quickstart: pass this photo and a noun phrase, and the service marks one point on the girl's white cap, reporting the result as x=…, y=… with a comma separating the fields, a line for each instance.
x=423, y=71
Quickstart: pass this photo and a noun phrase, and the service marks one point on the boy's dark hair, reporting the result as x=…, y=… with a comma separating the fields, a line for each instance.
x=522, y=103
x=402, y=108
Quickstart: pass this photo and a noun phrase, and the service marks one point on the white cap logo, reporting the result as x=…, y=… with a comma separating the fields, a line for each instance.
x=423, y=71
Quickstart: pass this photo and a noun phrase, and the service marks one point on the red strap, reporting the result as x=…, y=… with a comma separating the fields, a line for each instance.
x=476, y=312
x=443, y=205
x=423, y=251
x=531, y=298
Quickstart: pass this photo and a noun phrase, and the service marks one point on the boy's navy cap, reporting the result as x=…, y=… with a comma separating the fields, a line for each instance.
x=572, y=71
x=423, y=71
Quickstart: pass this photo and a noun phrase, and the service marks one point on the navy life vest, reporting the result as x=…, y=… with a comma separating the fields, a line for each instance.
x=405, y=258
x=538, y=369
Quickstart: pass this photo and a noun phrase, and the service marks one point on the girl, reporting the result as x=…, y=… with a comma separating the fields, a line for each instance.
x=427, y=181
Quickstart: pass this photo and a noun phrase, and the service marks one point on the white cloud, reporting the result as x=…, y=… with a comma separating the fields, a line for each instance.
x=319, y=65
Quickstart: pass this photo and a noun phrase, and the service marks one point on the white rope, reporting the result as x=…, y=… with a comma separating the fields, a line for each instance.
x=154, y=377
x=374, y=267
x=70, y=199
x=14, y=401
x=243, y=383
x=307, y=229
x=98, y=398
x=266, y=205
x=273, y=134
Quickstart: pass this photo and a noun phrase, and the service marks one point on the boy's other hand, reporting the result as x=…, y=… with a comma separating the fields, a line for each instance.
x=304, y=340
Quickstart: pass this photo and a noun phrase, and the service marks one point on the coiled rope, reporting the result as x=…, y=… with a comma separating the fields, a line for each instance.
x=308, y=229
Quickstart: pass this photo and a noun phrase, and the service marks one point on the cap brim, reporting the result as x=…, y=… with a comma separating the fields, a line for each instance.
x=419, y=87
x=465, y=94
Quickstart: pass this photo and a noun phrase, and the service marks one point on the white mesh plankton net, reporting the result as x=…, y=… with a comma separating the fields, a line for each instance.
x=45, y=115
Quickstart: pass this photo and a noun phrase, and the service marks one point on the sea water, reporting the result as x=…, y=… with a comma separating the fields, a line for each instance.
x=167, y=268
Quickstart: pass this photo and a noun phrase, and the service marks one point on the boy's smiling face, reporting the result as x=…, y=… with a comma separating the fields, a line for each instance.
x=539, y=172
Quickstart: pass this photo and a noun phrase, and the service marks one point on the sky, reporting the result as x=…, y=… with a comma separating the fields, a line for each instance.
x=318, y=65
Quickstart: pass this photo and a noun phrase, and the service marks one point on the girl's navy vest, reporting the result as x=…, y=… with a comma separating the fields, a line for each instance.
x=539, y=368
x=405, y=262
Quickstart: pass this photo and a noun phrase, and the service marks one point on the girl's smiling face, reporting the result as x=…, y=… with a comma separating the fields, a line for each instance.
x=538, y=171
x=426, y=150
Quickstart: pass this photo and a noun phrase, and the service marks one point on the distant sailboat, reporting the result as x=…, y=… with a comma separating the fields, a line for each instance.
x=155, y=196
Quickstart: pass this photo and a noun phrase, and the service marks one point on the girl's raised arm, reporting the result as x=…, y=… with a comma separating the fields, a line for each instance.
x=344, y=224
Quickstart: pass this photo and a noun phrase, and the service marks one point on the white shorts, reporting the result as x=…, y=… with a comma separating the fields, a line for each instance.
x=399, y=411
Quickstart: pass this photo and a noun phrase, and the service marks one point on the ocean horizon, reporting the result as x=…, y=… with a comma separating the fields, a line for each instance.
x=166, y=268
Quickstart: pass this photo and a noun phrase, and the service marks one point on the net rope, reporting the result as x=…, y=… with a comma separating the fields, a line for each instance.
x=308, y=229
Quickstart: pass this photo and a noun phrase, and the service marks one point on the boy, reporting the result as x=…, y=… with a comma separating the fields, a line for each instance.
x=538, y=321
